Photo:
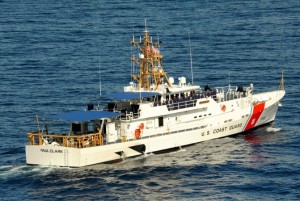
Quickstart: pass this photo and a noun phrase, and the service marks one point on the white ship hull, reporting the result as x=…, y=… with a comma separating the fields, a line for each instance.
x=189, y=126
x=152, y=114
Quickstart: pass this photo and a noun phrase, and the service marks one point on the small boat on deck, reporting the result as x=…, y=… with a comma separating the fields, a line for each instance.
x=152, y=114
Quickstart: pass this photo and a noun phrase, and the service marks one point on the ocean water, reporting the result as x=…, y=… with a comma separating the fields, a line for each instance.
x=51, y=53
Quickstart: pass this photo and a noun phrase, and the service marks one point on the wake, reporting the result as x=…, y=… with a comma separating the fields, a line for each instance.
x=272, y=129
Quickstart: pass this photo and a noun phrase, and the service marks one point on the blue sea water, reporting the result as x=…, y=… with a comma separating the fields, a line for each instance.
x=50, y=56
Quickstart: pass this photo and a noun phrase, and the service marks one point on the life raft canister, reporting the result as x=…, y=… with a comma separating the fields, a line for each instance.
x=223, y=108
x=137, y=133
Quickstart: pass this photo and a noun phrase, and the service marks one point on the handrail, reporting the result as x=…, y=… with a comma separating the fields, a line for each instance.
x=181, y=104
x=174, y=130
x=92, y=140
x=76, y=141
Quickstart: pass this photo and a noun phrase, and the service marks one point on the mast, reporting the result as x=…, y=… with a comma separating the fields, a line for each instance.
x=151, y=70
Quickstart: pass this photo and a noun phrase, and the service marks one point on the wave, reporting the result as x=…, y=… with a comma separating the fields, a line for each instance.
x=22, y=171
x=272, y=129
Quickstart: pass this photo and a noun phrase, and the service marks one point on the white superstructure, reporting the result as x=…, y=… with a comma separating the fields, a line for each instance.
x=152, y=114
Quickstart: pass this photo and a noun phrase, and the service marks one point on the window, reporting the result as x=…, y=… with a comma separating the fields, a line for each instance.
x=160, y=121
x=76, y=128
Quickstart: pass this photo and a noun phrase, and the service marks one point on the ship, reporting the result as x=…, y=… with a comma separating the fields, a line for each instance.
x=152, y=114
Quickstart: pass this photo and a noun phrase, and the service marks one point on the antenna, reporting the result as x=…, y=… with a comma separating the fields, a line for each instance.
x=191, y=59
x=132, y=63
x=38, y=123
x=100, y=83
x=145, y=24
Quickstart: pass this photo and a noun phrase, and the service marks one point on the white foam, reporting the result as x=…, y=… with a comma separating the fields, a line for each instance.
x=145, y=155
x=271, y=129
x=12, y=170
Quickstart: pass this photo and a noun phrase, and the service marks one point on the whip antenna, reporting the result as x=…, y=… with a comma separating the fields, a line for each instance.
x=100, y=84
x=191, y=59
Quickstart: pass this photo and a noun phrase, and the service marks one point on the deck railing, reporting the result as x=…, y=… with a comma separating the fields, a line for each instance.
x=95, y=139
x=76, y=141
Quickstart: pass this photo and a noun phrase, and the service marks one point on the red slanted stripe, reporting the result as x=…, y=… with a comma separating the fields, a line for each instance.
x=257, y=110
